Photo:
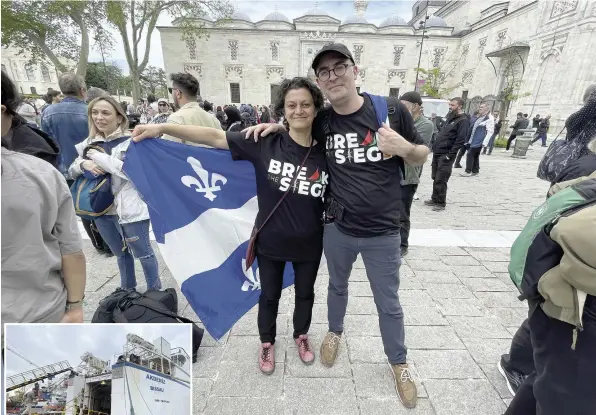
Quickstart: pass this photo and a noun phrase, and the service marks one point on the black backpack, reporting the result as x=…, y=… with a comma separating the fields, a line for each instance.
x=153, y=306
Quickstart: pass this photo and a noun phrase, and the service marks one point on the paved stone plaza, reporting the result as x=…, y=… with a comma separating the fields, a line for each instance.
x=460, y=312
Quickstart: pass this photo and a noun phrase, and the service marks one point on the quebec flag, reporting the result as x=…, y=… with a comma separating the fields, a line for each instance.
x=202, y=206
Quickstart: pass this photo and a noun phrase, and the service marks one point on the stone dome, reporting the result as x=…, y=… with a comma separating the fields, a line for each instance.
x=238, y=15
x=436, y=21
x=277, y=16
x=355, y=19
x=393, y=21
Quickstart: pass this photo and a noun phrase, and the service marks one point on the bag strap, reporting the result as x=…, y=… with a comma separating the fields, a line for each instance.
x=150, y=304
x=287, y=191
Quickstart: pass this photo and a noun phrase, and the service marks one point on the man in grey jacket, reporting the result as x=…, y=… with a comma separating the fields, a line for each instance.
x=409, y=184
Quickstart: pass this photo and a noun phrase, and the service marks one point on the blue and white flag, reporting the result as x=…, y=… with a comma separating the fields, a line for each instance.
x=202, y=206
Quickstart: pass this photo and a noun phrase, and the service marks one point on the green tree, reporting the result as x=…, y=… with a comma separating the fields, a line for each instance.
x=107, y=77
x=136, y=21
x=434, y=83
x=54, y=30
x=153, y=81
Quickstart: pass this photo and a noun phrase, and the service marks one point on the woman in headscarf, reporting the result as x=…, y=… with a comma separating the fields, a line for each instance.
x=164, y=112
x=235, y=123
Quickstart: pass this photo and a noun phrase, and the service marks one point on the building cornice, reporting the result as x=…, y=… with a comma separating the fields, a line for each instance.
x=490, y=22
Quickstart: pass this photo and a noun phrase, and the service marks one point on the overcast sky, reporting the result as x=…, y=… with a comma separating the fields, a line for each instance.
x=376, y=12
x=47, y=344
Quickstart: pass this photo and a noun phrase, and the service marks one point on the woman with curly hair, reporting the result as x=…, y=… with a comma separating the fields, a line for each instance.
x=291, y=175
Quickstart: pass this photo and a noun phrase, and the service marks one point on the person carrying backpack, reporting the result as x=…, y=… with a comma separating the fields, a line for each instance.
x=125, y=226
x=558, y=279
x=368, y=140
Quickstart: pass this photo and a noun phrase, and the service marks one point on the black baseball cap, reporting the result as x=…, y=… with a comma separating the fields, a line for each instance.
x=332, y=47
x=412, y=96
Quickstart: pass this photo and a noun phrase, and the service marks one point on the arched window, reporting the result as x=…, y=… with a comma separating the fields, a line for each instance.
x=45, y=73
x=30, y=71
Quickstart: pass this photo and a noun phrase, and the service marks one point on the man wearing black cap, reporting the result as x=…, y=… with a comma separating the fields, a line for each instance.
x=409, y=184
x=363, y=203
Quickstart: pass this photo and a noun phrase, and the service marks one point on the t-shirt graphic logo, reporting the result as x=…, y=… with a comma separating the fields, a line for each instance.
x=203, y=184
x=369, y=140
x=284, y=173
x=346, y=148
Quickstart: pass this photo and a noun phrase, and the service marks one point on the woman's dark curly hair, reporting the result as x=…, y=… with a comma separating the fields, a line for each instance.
x=296, y=83
x=10, y=98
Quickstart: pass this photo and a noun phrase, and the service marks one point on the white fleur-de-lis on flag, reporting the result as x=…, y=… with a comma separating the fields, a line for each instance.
x=203, y=184
x=254, y=280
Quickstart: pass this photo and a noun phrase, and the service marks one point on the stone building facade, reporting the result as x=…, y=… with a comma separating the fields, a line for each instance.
x=35, y=79
x=541, y=51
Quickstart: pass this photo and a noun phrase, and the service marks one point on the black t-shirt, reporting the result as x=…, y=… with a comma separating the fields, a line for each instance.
x=295, y=231
x=363, y=181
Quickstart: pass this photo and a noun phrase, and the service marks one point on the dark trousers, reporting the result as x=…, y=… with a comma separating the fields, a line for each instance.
x=441, y=169
x=92, y=232
x=473, y=160
x=407, y=197
x=540, y=136
x=491, y=144
x=511, y=138
x=460, y=154
x=564, y=379
x=521, y=354
x=271, y=273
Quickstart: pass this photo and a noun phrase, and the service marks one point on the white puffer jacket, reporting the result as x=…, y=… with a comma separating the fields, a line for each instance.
x=128, y=204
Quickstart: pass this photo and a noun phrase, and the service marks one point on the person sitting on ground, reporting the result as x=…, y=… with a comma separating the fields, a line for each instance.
x=295, y=231
x=125, y=227
x=43, y=265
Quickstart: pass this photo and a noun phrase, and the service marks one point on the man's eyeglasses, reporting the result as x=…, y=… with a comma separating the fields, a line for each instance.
x=339, y=70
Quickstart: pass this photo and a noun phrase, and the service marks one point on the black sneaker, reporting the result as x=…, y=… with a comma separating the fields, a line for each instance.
x=403, y=251
x=513, y=378
x=457, y=166
x=429, y=202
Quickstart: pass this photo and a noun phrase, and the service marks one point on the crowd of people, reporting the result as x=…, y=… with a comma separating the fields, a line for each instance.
x=369, y=168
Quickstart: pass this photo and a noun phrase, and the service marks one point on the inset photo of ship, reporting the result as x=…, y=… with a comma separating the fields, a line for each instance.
x=98, y=369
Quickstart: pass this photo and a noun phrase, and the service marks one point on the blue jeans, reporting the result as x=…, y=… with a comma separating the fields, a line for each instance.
x=381, y=258
x=125, y=241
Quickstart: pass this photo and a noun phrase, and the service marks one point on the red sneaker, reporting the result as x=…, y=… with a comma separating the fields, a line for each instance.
x=304, y=350
x=267, y=358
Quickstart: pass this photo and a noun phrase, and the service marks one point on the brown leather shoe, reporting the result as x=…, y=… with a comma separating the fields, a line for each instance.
x=404, y=385
x=329, y=349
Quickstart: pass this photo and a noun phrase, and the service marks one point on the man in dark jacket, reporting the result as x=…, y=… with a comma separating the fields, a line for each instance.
x=462, y=151
x=452, y=137
x=543, y=127
x=520, y=124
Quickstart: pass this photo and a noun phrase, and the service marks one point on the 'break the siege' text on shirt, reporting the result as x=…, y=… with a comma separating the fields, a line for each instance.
x=363, y=180
x=295, y=231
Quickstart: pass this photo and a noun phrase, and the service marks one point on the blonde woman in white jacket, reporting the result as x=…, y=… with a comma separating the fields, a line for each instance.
x=125, y=228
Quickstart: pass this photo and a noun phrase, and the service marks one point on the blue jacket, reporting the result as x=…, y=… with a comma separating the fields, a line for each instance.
x=66, y=123
x=482, y=130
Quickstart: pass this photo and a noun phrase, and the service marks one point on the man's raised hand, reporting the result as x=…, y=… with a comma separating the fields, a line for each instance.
x=262, y=130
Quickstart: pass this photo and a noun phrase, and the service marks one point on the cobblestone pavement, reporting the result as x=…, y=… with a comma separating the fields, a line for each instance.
x=460, y=308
